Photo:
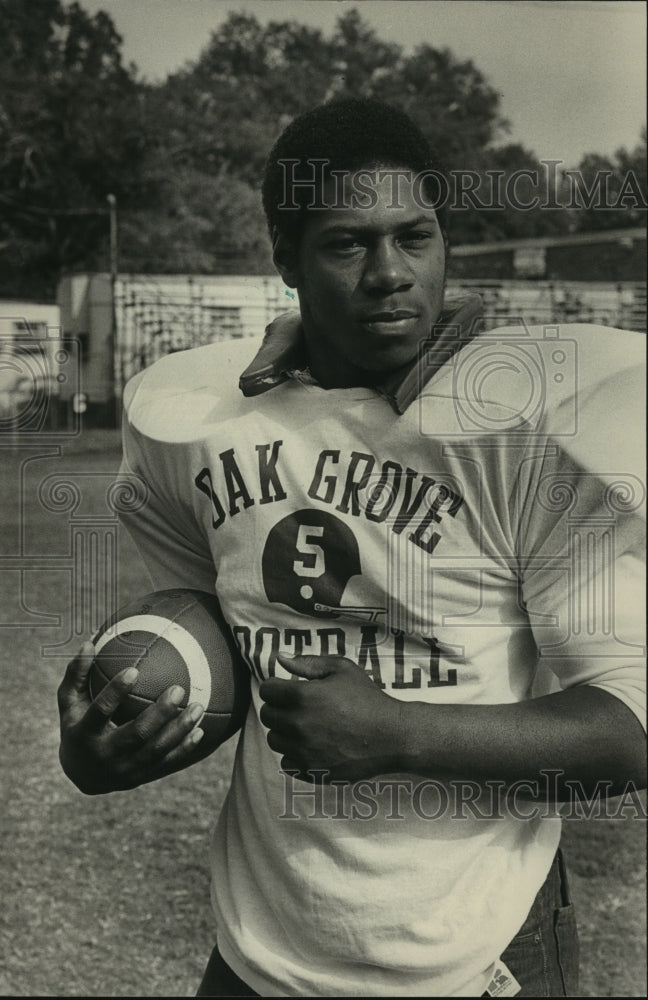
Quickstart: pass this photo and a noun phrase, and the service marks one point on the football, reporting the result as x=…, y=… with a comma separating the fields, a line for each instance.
x=175, y=637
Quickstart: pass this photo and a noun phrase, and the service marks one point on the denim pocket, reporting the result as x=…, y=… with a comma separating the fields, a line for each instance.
x=543, y=956
x=527, y=960
x=566, y=934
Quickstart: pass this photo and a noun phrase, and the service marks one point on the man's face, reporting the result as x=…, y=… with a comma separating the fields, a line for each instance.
x=370, y=279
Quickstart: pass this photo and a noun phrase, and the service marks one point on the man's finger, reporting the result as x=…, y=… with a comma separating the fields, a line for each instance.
x=276, y=718
x=160, y=727
x=74, y=686
x=187, y=752
x=144, y=727
x=108, y=700
x=309, y=667
x=280, y=693
x=280, y=744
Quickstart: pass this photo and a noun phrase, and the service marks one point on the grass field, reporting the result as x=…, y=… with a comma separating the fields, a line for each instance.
x=109, y=896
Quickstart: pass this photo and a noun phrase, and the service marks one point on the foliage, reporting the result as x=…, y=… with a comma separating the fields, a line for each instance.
x=251, y=81
x=510, y=177
x=620, y=182
x=204, y=223
x=71, y=131
x=184, y=157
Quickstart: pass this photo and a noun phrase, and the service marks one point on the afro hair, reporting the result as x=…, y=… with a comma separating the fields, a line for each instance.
x=347, y=135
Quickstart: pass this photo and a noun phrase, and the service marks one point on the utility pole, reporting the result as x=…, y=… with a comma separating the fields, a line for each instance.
x=112, y=210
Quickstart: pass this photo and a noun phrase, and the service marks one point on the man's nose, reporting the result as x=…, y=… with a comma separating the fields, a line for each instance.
x=386, y=269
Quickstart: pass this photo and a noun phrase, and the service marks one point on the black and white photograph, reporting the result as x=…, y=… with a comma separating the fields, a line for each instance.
x=323, y=480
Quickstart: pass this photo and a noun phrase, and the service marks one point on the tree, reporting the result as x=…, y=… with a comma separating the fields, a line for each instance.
x=250, y=81
x=220, y=115
x=207, y=224
x=185, y=157
x=608, y=192
x=71, y=131
x=224, y=112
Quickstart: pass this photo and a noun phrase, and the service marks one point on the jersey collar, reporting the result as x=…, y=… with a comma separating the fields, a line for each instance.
x=283, y=352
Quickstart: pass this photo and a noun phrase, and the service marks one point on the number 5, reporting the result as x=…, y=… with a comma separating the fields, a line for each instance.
x=313, y=562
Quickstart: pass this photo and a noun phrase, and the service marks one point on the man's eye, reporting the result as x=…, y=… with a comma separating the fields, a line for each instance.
x=345, y=243
x=416, y=238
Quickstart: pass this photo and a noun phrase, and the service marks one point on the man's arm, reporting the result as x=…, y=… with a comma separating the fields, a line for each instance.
x=95, y=754
x=589, y=731
x=99, y=757
x=342, y=723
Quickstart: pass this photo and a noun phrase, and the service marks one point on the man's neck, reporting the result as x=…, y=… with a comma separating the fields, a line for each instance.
x=284, y=351
x=334, y=372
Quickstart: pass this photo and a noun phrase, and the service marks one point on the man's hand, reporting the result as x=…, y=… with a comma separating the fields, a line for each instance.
x=100, y=757
x=338, y=722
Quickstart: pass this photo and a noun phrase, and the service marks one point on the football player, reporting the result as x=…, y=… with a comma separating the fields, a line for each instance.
x=404, y=549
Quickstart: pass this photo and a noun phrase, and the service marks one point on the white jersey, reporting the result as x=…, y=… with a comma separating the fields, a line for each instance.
x=457, y=553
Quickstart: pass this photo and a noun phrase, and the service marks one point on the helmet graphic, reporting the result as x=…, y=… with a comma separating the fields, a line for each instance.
x=308, y=559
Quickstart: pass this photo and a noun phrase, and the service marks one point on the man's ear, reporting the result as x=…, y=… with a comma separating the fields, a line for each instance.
x=286, y=259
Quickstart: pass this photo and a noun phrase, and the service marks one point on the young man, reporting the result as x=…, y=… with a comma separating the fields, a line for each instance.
x=411, y=549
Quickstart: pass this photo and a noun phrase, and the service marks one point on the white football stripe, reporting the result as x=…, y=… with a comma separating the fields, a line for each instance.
x=200, y=685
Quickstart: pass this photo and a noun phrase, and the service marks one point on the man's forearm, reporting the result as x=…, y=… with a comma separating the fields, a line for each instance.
x=340, y=723
x=584, y=733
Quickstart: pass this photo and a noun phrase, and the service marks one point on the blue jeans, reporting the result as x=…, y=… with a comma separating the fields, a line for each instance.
x=543, y=955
